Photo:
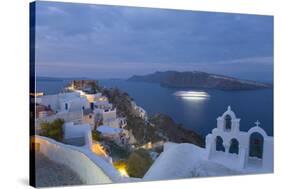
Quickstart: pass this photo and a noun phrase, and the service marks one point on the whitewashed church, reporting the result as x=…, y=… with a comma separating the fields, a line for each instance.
x=252, y=150
x=228, y=151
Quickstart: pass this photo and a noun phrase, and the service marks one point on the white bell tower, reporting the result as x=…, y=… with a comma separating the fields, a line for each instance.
x=228, y=122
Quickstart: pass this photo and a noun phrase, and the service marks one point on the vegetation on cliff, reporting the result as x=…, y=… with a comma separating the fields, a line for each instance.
x=138, y=163
x=96, y=136
x=140, y=129
x=166, y=126
x=52, y=129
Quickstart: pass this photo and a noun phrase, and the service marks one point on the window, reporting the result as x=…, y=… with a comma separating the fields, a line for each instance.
x=256, y=145
x=234, y=146
x=219, y=144
x=66, y=106
x=227, y=123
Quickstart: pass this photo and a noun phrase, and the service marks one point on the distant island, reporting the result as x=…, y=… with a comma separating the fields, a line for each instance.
x=199, y=80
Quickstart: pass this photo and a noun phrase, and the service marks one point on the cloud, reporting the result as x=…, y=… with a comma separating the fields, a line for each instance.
x=55, y=10
x=253, y=60
x=126, y=36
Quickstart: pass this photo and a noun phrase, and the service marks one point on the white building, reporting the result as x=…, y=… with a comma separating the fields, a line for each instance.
x=74, y=133
x=139, y=111
x=252, y=149
x=108, y=116
x=102, y=111
x=80, y=107
x=228, y=151
x=118, y=135
x=109, y=132
x=68, y=102
x=102, y=104
x=89, y=117
x=66, y=106
x=96, y=100
x=122, y=122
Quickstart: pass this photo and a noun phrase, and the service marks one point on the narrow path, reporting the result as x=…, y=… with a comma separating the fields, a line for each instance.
x=49, y=173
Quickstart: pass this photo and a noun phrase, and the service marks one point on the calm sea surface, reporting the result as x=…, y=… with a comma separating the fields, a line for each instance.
x=197, y=114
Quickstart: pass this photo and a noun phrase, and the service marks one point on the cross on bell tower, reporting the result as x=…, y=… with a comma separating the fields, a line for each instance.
x=257, y=123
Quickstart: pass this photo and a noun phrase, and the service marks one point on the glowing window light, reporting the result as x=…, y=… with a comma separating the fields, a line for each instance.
x=121, y=167
x=97, y=149
x=123, y=172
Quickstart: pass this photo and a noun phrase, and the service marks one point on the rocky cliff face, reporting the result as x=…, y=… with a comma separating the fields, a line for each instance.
x=161, y=127
x=136, y=125
x=166, y=126
x=199, y=80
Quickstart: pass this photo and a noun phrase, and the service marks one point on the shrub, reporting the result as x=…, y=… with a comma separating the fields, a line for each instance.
x=138, y=163
x=96, y=135
x=116, y=151
x=53, y=129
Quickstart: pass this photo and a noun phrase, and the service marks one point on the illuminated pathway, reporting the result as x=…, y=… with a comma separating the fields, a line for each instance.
x=98, y=150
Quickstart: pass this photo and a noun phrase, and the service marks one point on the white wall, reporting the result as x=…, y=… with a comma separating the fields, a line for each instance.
x=109, y=115
x=57, y=102
x=139, y=111
x=80, y=130
x=111, y=123
x=90, y=168
x=90, y=119
x=268, y=156
x=74, y=104
x=47, y=100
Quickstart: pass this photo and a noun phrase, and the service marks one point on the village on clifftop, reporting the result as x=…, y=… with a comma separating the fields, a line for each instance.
x=82, y=130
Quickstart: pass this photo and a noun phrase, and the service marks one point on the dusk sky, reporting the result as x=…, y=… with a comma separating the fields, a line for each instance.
x=95, y=41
